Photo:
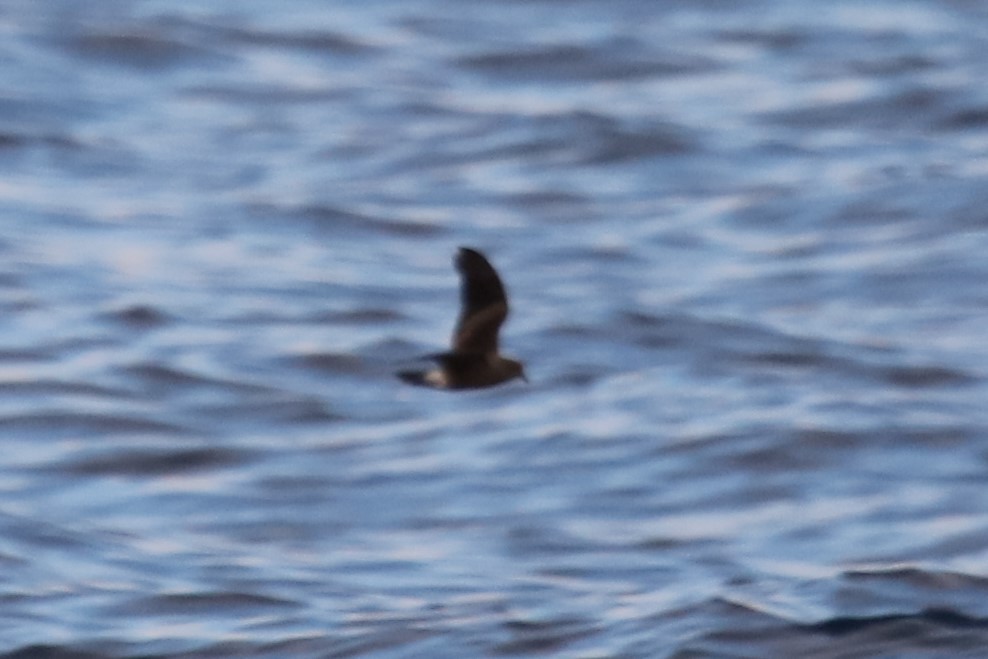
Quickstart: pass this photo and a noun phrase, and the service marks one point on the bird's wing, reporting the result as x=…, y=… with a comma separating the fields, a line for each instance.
x=478, y=333
x=484, y=305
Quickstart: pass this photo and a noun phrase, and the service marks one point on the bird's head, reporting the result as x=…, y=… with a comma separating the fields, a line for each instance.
x=515, y=369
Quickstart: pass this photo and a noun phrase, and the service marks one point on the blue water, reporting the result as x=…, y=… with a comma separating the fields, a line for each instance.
x=745, y=248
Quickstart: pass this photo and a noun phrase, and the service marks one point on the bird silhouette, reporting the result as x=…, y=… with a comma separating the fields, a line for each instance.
x=474, y=362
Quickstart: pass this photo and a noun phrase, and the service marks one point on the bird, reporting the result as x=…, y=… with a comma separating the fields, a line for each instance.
x=473, y=362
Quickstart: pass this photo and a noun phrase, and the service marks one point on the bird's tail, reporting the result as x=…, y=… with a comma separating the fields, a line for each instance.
x=414, y=377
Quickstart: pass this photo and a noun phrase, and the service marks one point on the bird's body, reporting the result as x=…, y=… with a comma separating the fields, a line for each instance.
x=474, y=362
x=465, y=371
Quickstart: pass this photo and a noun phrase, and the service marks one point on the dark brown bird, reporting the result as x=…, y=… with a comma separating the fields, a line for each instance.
x=474, y=362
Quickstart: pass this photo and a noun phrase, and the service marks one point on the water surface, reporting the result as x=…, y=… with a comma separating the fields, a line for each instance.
x=745, y=252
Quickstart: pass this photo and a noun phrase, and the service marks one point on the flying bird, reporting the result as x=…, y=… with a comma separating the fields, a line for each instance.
x=474, y=362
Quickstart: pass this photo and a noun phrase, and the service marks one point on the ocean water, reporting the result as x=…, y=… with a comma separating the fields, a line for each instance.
x=745, y=249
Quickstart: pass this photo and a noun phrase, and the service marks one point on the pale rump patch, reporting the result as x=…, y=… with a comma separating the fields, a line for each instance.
x=436, y=378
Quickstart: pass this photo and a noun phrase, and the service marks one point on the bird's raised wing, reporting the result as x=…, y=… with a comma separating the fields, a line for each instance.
x=484, y=305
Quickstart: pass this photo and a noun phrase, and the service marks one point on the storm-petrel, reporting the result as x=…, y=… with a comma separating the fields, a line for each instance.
x=473, y=363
